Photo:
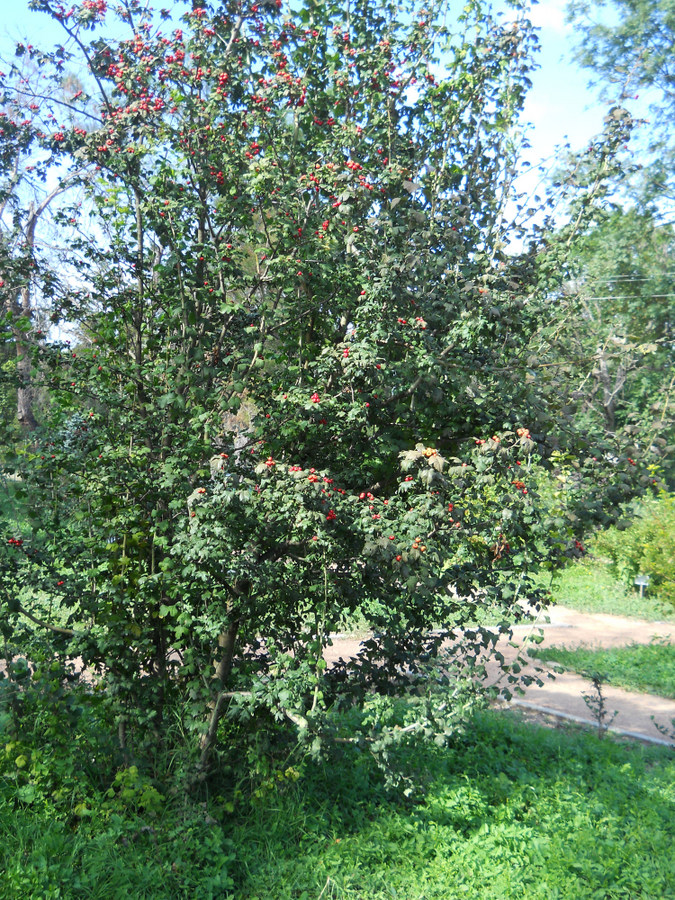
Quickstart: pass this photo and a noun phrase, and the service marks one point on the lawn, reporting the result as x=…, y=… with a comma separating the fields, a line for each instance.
x=587, y=585
x=506, y=811
x=649, y=668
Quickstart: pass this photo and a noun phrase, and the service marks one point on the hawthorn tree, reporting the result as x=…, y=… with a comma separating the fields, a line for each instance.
x=301, y=392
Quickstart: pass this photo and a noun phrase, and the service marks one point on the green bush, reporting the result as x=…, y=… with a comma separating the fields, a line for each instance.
x=646, y=548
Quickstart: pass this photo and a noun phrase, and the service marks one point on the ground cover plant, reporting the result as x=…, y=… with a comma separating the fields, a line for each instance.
x=649, y=668
x=545, y=814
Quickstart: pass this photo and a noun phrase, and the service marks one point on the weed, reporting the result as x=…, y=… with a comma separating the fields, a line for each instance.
x=597, y=705
x=668, y=731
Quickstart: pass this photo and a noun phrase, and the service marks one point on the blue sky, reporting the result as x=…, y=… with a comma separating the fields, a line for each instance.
x=560, y=105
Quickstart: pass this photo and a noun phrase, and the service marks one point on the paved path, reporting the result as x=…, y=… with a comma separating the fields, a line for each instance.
x=562, y=698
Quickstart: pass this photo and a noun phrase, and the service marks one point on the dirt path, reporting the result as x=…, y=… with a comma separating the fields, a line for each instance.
x=562, y=698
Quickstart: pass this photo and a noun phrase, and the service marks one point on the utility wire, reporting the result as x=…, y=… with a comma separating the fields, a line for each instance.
x=631, y=297
x=627, y=278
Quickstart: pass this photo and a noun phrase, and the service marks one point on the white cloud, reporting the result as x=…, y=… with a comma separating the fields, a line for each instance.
x=550, y=14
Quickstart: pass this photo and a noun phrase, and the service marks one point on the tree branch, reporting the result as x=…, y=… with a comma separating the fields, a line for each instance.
x=57, y=628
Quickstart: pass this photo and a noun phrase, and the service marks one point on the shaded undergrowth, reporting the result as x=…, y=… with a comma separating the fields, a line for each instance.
x=506, y=811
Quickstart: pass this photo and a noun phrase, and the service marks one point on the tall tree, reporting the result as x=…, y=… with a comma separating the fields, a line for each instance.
x=27, y=192
x=628, y=45
x=303, y=392
x=626, y=271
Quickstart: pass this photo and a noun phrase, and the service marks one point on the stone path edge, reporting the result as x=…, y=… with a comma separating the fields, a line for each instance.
x=579, y=720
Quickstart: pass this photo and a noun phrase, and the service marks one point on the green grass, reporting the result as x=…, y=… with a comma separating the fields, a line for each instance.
x=509, y=812
x=588, y=586
x=512, y=812
x=648, y=668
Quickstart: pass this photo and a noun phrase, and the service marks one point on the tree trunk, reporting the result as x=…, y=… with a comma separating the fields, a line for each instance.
x=20, y=306
x=227, y=642
x=24, y=399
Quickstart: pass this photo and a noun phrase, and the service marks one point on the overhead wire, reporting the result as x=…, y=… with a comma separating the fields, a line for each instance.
x=628, y=278
x=632, y=297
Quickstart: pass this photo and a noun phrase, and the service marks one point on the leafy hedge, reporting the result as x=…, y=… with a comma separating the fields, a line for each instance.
x=646, y=548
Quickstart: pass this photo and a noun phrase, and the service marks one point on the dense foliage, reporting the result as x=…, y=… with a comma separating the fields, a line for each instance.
x=306, y=380
x=646, y=548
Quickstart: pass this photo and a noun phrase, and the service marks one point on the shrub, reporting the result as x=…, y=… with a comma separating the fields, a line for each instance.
x=646, y=548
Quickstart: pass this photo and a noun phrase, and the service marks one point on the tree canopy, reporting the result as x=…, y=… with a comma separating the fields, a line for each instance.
x=628, y=46
x=628, y=43
x=306, y=380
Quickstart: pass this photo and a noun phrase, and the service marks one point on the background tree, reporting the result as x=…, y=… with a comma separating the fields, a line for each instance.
x=625, y=289
x=29, y=185
x=628, y=46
